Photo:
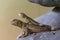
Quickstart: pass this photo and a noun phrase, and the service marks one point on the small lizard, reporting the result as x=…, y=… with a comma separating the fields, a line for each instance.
x=32, y=28
x=28, y=19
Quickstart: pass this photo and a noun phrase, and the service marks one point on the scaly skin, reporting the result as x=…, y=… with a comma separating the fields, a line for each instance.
x=32, y=28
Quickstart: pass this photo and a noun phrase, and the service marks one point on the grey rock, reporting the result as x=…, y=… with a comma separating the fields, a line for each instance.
x=48, y=3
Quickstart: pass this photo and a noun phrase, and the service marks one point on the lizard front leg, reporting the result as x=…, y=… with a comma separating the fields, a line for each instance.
x=25, y=31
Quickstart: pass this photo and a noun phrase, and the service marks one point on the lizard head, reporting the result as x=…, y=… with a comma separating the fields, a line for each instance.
x=23, y=15
x=17, y=22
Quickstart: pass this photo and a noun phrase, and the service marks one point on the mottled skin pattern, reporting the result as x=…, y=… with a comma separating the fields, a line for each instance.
x=32, y=26
x=47, y=3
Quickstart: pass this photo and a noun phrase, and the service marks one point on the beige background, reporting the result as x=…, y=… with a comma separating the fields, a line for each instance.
x=9, y=10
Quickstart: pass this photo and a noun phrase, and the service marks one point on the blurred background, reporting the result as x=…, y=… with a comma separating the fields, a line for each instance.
x=9, y=10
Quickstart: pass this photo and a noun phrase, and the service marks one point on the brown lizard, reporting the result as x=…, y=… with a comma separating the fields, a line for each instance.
x=32, y=28
x=28, y=19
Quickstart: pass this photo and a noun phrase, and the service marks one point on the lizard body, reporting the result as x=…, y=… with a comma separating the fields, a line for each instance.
x=31, y=28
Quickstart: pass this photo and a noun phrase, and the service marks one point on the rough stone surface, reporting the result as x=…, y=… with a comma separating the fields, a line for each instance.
x=51, y=18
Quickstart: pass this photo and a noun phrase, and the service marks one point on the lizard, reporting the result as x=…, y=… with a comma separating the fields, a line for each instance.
x=32, y=28
x=28, y=19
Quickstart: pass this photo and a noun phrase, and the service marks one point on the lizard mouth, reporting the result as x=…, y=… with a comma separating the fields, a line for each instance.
x=16, y=22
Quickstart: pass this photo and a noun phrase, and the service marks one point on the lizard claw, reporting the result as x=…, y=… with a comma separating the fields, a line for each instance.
x=22, y=35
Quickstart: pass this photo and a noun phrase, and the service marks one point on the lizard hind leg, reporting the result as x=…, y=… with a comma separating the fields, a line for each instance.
x=24, y=34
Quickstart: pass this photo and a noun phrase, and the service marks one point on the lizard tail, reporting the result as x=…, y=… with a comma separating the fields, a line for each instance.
x=55, y=28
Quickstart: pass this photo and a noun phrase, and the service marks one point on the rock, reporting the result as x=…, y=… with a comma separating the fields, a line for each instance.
x=47, y=3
